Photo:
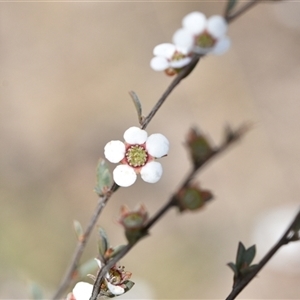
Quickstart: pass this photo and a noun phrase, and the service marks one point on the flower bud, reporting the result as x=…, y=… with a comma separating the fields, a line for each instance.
x=192, y=198
x=133, y=222
x=199, y=147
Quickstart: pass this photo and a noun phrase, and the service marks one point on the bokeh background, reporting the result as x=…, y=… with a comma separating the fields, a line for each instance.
x=66, y=69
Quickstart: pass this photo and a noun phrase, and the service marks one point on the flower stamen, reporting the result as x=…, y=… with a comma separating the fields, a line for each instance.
x=205, y=40
x=136, y=156
x=178, y=56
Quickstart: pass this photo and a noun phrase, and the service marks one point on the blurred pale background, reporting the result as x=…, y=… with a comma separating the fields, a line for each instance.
x=66, y=69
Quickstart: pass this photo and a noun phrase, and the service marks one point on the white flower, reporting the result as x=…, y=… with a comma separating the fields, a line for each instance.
x=203, y=35
x=115, y=289
x=168, y=57
x=82, y=291
x=137, y=155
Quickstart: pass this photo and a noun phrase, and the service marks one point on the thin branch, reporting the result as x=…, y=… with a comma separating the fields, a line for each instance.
x=236, y=135
x=285, y=239
x=181, y=75
x=243, y=9
x=71, y=271
x=190, y=67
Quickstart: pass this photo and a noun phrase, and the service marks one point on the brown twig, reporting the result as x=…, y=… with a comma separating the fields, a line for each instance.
x=181, y=75
x=236, y=135
x=72, y=269
x=231, y=17
x=285, y=239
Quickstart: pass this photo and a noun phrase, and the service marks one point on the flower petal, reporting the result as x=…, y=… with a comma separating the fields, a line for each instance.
x=222, y=46
x=115, y=289
x=217, y=26
x=151, y=172
x=195, y=22
x=82, y=290
x=177, y=64
x=183, y=39
x=157, y=145
x=135, y=135
x=114, y=151
x=98, y=262
x=166, y=50
x=200, y=50
x=124, y=175
x=159, y=63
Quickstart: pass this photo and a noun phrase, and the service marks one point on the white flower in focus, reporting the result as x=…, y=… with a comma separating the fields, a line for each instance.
x=203, y=35
x=169, y=58
x=82, y=291
x=137, y=155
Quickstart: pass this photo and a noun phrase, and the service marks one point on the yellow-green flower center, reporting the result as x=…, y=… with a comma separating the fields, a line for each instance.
x=136, y=156
x=205, y=40
x=115, y=277
x=178, y=56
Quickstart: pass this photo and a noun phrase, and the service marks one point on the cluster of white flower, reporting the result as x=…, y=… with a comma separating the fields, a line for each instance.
x=198, y=35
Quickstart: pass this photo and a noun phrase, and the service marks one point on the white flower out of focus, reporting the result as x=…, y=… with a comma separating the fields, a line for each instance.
x=82, y=291
x=137, y=156
x=169, y=58
x=201, y=35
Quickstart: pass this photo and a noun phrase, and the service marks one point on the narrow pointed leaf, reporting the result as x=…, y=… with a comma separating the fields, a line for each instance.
x=116, y=250
x=240, y=254
x=229, y=133
x=137, y=104
x=88, y=267
x=252, y=267
x=78, y=230
x=103, y=178
x=129, y=284
x=230, y=5
x=249, y=255
x=36, y=291
x=233, y=267
x=296, y=225
x=103, y=243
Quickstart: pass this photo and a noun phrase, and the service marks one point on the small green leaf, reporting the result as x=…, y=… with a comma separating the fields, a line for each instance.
x=249, y=255
x=296, y=225
x=103, y=243
x=116, y=250
x=240, y=255
x=78, y=230
x=129, y=284
x=137, y=104
x=230, y=5
x=199, y=147
x=233, y=267
x=87, y=268
x=133, y=236
x=250, y=269
x=36, y=291
x=104, y=179
x=229, y=133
